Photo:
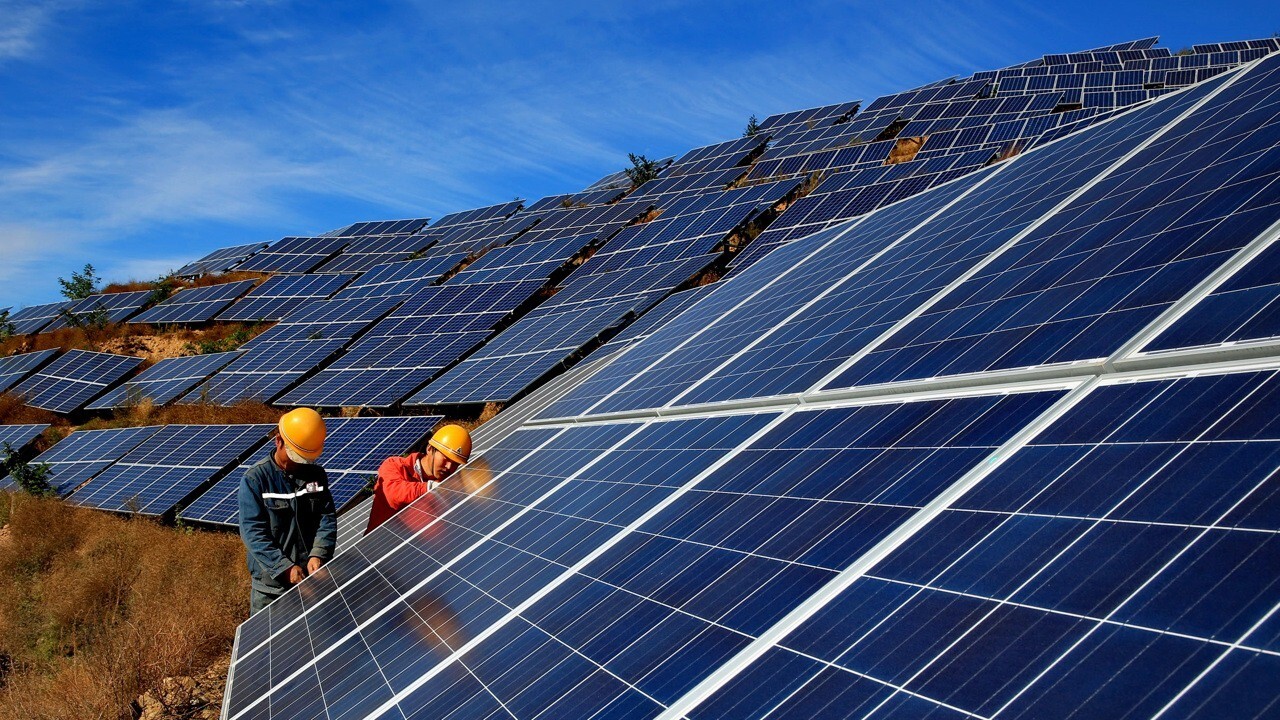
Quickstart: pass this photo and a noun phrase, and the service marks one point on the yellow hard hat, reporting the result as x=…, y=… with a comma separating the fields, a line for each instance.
x=302, y=431
x=454, y=441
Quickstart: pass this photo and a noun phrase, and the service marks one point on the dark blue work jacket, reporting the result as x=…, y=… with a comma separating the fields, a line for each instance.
x=284, y=520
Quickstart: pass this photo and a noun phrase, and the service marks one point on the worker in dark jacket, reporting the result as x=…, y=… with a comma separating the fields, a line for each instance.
x=401, y=480
x=287, y=519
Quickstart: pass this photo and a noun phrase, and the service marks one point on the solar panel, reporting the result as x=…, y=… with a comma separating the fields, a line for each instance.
x=15, y=438
x=526, y=261
x=401, y=278
x=165, y=381
x=16, y=367
x=429, y=332
x=195, y=305
x=169, y=466
x=365, y=253
x=33, y=319
x=294, y=255
x=326, y=319
x=279, y=295
x=383, y=227
x=263, y=372
x=85, y=453
x=111, y=307
x=354, y=448
x=219, y=260
x=69, y=382
x=483, y=214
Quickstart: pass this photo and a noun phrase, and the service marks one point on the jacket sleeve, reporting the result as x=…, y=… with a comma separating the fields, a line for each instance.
x=255, y=528
x=327, y=534
x=397, y=482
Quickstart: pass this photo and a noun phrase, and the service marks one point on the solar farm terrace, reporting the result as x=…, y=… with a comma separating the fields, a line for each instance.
x=957, y=402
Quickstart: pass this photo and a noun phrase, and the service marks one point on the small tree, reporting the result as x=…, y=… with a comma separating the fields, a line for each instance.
x=642, y=169
x=32, y=478
x=7, y=330
x=753, y=127
x=81, y=285
x=162, y=288
x=95, y=319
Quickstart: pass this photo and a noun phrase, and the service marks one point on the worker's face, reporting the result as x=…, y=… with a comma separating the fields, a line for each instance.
x=442, y=465
x=282, y=457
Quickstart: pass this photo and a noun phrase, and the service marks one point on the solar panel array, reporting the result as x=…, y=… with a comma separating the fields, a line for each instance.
x=263, y=372
x=195, y=305
x=73, y=379
x=354, y=448
x=279, y=295
x=169, y=466
x=366, y=252
x=163, y=382
x=918, y=464
x=85, y=453
x=33, y=319
x=111, y=307
x=16, y=367
x=219, y=260
x=294, y=255
x=400, y=279
x=383, y=227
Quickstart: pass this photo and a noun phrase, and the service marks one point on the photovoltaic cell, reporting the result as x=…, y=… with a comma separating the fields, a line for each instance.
x=326, y=320
x=401, y=278
x=279, y=295
x=365, y=253
x=16, y=367
x=169, y=466
x=219, y=260
x=112, y=307
x=85, y=453
x=353, y=450
x=195, y=305
x=69, y=382
x=263, y=372
x=294, y=255
x=165, y=381
x=33, y=319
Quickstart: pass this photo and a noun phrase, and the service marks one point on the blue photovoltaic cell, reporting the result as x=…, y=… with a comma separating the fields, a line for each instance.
x=263, y=372
x=1122, y=557
x=164, y=381
x=294, y=255
x=219, y=260
x=85, y=453
x=1245, y=308
x=16, y=437
x=326, y=320
x=279, y=295
x=382, y=227
x=655, y=318
x=75, y=378
x=401, y=278
x=113, y=307
x=432, y=330
x=353, y=450
x=169, y=466
x=17, y=367
x=528, y=261
x=365, y=253
x=1082, y=284
x=32, y=319
x=195, y=305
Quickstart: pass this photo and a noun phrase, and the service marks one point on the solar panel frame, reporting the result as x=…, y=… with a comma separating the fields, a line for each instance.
x=281, y=294
x=85, y=453
x=113, y=307
x=16, y=367
x=195, y=305
x=15, y=438
x=263, y=372
x=32, y=319
x=294, y=255
x=73, y=379
x=219, y=260
x=165, y=381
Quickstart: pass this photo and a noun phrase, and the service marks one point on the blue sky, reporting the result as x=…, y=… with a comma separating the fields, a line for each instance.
x=139, y=136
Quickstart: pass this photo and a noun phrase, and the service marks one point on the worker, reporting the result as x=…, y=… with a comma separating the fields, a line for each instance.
x=401, y=480
x=287, y=518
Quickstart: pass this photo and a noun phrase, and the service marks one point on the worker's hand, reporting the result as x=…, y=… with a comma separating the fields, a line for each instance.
x=314, y=564
x=296, y=573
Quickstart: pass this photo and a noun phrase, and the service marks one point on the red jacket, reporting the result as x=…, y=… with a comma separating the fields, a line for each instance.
x=399, y=484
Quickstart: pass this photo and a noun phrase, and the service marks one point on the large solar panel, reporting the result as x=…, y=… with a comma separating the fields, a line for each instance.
x=69, y=382
x=15, y=438
x=165, y=381
x=280, y=295
x=33, y=319
x=354, y=448
x=219, y=260
x=85, y=453
x=16, y=367
x=723, y=523
x=111, y=307
x=263, y=372
x=383, y=227
x=326, y=319
x=195, y=305
x=169, y=466
x=400, y=279
x=294, y=255
x=367, y=252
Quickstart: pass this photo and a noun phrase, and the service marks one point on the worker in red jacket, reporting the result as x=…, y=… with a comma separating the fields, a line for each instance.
x=401, y=480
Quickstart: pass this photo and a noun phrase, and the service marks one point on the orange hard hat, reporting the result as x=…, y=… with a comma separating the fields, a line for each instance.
x=454, y=441
x=302, y=431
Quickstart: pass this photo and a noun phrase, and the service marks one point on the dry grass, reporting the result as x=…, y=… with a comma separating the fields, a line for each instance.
x=15, y=411
x=179, y=283
x=146, y=413
x=72, y=338
x=95, y=609
x=905, y=149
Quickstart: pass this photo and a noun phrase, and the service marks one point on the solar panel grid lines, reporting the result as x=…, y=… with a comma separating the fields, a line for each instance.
x=294, y=254
x=327, y=319
x=16, y=367
x=73, y=379
x=194, y=305
x=264, y=372
x=401, y=278
x=165, y=381
x=110, y=307
x=30, y=320
x=169, y=466
x=15, y=438
x=281, y=294
x=219, y=260
x=490, y=212
x=85, y=453
x=1115, y=249
x=368, y=252
x=384, y=227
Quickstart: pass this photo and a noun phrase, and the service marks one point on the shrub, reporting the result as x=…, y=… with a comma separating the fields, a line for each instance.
x=753, y=127
x=81, y=285
x=642, y=169
x=32, y=478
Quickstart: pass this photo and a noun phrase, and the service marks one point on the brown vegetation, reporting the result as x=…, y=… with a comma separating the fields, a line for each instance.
x=180, y=283
x=96, y=609
x=905, y=149
x=15, y=411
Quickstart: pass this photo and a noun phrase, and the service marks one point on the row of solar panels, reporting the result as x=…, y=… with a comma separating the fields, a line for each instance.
x=940, y=461
x=194, y=470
